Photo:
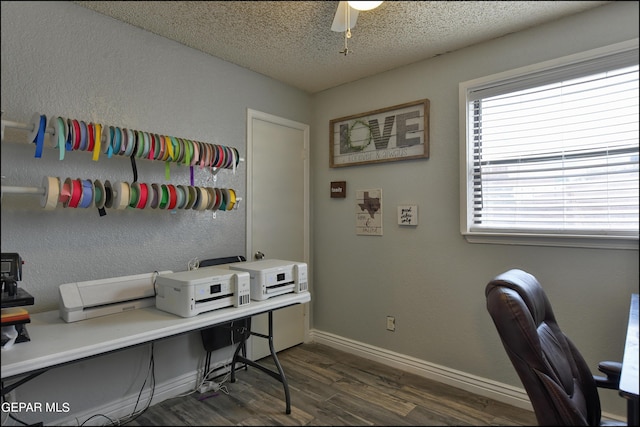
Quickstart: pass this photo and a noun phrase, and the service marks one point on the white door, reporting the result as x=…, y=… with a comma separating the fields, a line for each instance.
x=278, y=214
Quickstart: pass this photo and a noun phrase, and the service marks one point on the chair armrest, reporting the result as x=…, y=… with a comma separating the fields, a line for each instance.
x=612, y=371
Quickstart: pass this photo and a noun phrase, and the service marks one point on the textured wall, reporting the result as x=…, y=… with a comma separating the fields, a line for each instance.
x=62, y=59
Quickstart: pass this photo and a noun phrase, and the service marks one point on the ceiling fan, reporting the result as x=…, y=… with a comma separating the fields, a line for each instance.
x=347, y=15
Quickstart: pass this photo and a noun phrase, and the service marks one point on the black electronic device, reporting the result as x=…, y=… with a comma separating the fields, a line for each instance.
x=11, y=266
x=14, y=296
x=11, y=274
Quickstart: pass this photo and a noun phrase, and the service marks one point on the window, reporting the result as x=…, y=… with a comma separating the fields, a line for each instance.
x=551, y=152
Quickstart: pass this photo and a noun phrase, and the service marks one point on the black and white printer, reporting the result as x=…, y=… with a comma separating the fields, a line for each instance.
x=273, y=277
x=188, y=293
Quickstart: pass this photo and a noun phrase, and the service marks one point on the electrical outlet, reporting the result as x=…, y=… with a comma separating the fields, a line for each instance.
x=391, y=323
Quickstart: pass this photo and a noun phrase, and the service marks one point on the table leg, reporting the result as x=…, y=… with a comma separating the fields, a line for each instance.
x=280, y=376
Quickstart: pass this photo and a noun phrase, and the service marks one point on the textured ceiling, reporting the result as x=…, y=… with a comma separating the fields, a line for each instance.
x=292, y=41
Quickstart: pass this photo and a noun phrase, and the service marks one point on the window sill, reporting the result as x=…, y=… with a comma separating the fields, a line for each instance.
x=597, y=242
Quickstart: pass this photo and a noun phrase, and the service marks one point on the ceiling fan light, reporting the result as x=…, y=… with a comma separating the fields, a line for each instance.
x=364, y=5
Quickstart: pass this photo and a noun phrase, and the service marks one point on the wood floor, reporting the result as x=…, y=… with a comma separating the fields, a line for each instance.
x=333, y=388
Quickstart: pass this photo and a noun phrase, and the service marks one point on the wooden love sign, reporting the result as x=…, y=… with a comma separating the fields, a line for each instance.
x=395, y=133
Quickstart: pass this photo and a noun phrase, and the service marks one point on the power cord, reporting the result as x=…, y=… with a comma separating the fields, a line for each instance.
x=151, y=377
x=153, y=279
x=206, y=384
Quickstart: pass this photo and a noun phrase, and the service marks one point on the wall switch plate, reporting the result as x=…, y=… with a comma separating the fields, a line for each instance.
x=391, y=323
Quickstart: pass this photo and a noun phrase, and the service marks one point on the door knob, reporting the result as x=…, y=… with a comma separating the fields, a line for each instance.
x=259, y=255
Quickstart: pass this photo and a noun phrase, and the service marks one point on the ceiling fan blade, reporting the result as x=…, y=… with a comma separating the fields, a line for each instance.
x=340, y=19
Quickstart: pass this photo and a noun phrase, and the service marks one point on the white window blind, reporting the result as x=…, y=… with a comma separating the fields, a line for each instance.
x=555, y=152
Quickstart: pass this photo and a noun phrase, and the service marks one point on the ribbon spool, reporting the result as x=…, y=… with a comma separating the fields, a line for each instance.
x=143, y=199
x=134, y=195
x=154, y=197
x=158, y=149
x=97, y=147
x=218, y=199
x=109, y=136
x=124, y=141
x=208, y=153
x=86, y=198
x=65, y=192
x=225, y=197
x=131, y=143
x=205, y=198
x=143, y=149
x=163, y=196
x=117, y=140
x=139, y=144
x=121, y=195
x=100, y=197
x=232, y=199
x=75, y=193
x=196, y=153
x=51, y=194
x=228, y=157
x=171, y=189
x=183, y=196
x=58, y=137
x=37, y=134
x=84, y=136
x=198, y=200
x=91, y=136
x=191, y=197
x=77, y=135
x=212, y=198
x=108, y=194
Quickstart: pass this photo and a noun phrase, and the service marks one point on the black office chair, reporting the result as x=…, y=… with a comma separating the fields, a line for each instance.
x=562, y=389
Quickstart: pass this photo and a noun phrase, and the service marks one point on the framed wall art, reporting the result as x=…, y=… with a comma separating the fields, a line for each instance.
x=389, y=134
x=369, y=212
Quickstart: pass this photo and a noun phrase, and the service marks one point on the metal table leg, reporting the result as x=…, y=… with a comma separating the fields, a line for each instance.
x=237, y=357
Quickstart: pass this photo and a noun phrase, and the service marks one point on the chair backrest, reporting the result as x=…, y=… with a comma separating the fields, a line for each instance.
x=224, y=260
x=555, y=376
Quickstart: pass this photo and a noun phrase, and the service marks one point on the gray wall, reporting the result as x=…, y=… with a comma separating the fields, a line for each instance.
x=429, y=277
x=58, y=58
x=62, y=59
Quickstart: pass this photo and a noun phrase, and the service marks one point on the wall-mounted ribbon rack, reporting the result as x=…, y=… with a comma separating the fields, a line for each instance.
x=66, y=134
x=77, y=135
x=85, y=193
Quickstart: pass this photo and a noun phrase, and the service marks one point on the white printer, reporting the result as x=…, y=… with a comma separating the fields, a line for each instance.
x=188, y=293
x=272, y=277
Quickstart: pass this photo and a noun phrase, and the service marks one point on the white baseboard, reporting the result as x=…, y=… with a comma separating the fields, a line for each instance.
x=481, y=386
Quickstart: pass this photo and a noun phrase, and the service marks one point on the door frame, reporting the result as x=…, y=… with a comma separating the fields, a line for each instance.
x=259, y=115
x=254, y=114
